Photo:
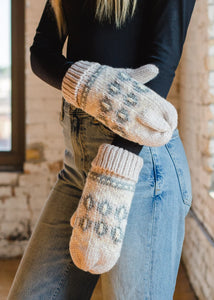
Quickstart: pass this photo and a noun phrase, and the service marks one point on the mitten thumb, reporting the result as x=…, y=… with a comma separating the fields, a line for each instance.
x=144, y=73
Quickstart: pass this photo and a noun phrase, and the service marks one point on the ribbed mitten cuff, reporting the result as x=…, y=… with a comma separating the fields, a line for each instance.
x=118, y=161
x=75, y=77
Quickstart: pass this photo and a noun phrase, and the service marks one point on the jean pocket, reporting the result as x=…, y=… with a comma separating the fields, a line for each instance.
x=102, y=128
x=177, y=153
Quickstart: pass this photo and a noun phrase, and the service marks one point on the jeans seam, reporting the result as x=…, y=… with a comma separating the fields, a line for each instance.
x=185, y=202
x=155, y=171
x=84, y=149
x=152, y=252
x=60, y=283
x=78, y=142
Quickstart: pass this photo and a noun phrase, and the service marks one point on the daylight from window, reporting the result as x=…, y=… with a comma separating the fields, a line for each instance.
x=5, y=76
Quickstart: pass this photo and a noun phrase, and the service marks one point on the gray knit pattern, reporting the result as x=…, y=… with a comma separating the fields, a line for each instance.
x=122, y=103
x=112, y=181
x=100, y=220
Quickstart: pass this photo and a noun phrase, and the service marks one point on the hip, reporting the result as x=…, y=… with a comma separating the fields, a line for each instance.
x=165, y=167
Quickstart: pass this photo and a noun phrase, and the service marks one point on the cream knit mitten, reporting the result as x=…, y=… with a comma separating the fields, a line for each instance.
x=122, y=103
x=100, y=220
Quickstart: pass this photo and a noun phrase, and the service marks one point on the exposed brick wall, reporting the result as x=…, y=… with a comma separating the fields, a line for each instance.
x=23, y=195
x=196, y=124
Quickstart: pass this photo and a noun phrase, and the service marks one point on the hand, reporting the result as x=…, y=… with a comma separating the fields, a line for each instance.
x=100, y=220
x=146, y=73
x=120, y=102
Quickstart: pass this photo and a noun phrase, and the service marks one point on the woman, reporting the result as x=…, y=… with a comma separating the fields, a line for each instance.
x=113, y=50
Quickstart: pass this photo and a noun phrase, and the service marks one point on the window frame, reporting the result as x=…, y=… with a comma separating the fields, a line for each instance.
x=13, y=160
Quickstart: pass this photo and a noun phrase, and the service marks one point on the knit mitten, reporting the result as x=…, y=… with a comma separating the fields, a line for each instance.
x=123, y=104
x=100, y=220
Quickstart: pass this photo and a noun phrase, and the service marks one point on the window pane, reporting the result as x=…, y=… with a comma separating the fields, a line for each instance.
x=5, y=75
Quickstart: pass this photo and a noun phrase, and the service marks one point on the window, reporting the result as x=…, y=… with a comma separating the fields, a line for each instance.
x=12, y=114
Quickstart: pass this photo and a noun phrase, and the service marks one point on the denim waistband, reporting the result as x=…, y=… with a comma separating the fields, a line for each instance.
x=68, y=108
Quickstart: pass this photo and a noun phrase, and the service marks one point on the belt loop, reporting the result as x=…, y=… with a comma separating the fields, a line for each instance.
x=62, y=110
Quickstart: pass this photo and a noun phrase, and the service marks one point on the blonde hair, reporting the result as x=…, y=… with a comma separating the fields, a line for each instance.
x=104, y=10
x=57, y=7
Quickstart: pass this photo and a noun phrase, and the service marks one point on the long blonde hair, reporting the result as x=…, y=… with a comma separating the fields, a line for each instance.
x=104, y=10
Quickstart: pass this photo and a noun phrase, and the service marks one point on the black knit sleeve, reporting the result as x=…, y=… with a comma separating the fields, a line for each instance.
x=169, y=21
x=46, y=58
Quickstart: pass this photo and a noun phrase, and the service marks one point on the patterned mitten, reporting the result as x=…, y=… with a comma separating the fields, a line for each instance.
x=122, y=103
x=101, y=216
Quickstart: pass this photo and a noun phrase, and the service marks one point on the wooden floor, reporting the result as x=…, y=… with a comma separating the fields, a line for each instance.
x=8, y=268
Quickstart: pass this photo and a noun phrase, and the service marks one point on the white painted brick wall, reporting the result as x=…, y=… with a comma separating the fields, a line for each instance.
x=197, y=132
x=23, y=195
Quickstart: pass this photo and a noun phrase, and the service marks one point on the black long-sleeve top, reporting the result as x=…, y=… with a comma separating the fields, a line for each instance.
x=155, y=34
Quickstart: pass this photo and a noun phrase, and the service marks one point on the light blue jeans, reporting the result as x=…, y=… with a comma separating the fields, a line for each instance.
x=151, y=251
